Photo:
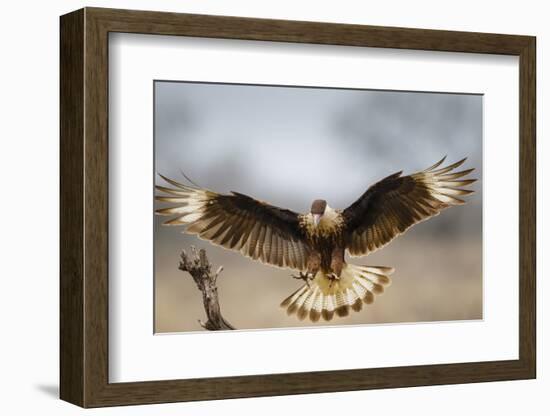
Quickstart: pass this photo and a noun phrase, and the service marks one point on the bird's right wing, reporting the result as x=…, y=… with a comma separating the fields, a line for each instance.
x=258, y=230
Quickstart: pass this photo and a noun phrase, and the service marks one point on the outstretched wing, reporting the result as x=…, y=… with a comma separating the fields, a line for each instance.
x=236, y=221
x=391, y=206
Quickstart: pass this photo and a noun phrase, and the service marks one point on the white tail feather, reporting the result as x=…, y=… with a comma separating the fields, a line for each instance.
x=323, y=296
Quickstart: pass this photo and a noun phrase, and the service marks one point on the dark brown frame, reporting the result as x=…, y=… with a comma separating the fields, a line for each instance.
x=84, y=212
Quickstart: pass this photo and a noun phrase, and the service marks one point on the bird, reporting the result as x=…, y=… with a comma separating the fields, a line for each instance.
x=314, y=244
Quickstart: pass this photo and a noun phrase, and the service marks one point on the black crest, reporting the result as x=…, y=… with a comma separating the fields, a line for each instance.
x=318, y=206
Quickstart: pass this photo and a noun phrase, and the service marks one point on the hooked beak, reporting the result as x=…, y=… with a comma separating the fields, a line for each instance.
x=316, y=219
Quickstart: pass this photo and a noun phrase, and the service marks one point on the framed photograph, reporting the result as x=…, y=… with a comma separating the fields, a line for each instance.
x=255, y=207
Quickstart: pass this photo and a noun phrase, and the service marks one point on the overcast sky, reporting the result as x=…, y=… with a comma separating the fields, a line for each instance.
x=292, y=145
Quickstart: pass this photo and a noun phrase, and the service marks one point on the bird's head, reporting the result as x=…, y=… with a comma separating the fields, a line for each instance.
x=318, y=208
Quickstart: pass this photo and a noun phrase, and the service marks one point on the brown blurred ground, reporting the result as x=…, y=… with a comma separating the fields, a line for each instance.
x=436, y=279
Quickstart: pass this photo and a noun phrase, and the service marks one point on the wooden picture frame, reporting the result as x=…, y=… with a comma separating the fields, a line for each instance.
x=84, y=207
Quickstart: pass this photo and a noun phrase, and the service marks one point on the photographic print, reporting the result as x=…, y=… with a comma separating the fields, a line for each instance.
x=289, y=206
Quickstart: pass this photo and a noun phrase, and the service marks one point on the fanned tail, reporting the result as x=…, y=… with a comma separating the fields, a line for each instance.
x=323, y=297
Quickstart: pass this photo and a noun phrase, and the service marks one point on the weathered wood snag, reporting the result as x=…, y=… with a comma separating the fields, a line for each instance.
x=198, y=266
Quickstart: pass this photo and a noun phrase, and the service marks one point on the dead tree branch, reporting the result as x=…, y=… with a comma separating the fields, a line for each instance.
x=198, y=266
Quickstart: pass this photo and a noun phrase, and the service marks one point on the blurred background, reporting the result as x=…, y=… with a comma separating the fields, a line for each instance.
x=291, y=145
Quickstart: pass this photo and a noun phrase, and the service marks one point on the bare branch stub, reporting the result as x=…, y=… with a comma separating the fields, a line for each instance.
x=200, y=269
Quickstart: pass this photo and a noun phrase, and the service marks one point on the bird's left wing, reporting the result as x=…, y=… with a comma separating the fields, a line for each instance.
x=394, y=204
x=236, y=221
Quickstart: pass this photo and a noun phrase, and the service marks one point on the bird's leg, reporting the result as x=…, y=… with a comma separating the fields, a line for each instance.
x=337, y=261
x=306, y=277
x=336, y=265
x=313, y=264
x=332, y=277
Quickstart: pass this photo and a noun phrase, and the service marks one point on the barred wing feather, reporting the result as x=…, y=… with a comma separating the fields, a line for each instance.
x=236, y=221
x=394, y=204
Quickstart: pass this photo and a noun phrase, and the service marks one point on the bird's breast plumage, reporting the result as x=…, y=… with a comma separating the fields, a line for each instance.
x=329, y=228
